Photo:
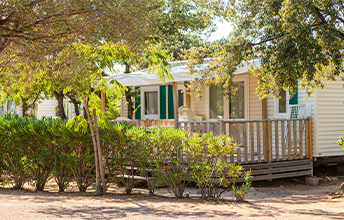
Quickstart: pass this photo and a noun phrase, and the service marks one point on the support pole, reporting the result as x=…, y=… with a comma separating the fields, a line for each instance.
x=175, y=103
x=187, y=94
x=264, y=109
x=100, y=156
x=94, y=144
x=310, y=138
x=102, y=96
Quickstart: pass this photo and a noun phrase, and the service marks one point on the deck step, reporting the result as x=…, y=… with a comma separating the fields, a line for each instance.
x=277, y=170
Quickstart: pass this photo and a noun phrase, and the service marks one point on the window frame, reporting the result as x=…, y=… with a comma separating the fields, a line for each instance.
x=245, y=79
x=142, y=97
x=277, y=114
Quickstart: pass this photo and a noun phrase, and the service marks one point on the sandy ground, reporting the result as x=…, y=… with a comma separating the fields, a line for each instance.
x=279, y=199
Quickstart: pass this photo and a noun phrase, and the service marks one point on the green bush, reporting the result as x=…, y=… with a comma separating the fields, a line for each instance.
x=207, y=155
x=170, y=166
x=35, y=150
x=80, y=158
x=14, y=155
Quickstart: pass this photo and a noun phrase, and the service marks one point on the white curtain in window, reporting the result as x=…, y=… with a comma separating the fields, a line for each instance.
x=216, y=103
x=237, y=102
x=151, y=103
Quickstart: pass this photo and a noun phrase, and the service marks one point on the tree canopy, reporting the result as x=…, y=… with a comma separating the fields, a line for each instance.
x=293, y=39
x=41, y=37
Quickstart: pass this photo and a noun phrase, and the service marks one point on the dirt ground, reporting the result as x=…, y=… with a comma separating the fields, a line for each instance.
x=278, y=199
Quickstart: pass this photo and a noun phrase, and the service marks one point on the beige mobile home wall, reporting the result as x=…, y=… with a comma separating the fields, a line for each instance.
x=329, y=119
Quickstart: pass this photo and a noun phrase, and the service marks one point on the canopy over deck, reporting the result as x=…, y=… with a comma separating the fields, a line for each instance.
x=179, y=71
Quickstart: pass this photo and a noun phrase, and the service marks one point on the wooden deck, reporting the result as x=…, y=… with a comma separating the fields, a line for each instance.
x=271, y=149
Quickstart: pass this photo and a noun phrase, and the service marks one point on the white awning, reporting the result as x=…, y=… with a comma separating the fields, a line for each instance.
x=179, y=72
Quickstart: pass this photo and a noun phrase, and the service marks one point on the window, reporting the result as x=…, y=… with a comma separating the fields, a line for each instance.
x=216, y=103
x=282, y=105
x=236, y=107
x=1, y=110
x=151, y=103
x=180, y=97
x=237, y=102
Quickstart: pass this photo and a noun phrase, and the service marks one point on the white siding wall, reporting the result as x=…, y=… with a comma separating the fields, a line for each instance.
x=329, y=119
x=46, y=108
x=124, y=108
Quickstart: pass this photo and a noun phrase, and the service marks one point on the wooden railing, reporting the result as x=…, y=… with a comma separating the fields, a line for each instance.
x=261, y=140
x=149, y=122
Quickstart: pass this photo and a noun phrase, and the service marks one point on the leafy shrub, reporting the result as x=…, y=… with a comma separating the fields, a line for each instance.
x=13, y=154
x=61, y=169
x=240, y=191
x=38, y=138
x=171, y=168
x=81, y=156
x=36, y=150
x=207, y=156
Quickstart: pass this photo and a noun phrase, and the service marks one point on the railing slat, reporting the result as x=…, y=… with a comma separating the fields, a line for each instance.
x=301, y=138
x=252, y=141
x=265, y=141
x=258, y=142
x=245, y=141
x=231, y=130
x=283, y=139
x=276, y=141
x=270, y=141
x=289, y=140
x=238, y=139
x=295, y=139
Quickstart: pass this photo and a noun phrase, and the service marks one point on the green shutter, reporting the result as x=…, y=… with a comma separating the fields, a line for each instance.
x=162, y=102
x=137, y=104
x=293, y=100
x=170, y=102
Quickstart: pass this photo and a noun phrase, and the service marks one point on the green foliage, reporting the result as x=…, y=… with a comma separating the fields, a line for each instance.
x=208, y=158
x=13, y=157
x=341, y=141
x=295, y=41
x=171, y=168
x=35, y=150
x=240, y=191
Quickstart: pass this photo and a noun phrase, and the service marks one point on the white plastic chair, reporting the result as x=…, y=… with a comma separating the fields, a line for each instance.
x=186, y=114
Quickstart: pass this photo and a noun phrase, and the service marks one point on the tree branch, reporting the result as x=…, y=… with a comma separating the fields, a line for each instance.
x=323, y=20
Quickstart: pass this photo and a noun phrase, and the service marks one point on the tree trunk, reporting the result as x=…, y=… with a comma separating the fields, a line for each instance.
x=128, y=95
x=60, y=108
x=130, y=103
x=94, y=144
x=76, y=106
x=25, y=108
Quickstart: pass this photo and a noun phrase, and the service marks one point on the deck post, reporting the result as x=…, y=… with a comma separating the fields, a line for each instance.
x=310, y=136
x=221, y=127
x=187, y=94
x=268, y=142
x=264, y=108
x=175, y=104
x=102, y=96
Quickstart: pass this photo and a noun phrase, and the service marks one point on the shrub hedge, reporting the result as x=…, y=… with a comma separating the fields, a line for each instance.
x=33, y=151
